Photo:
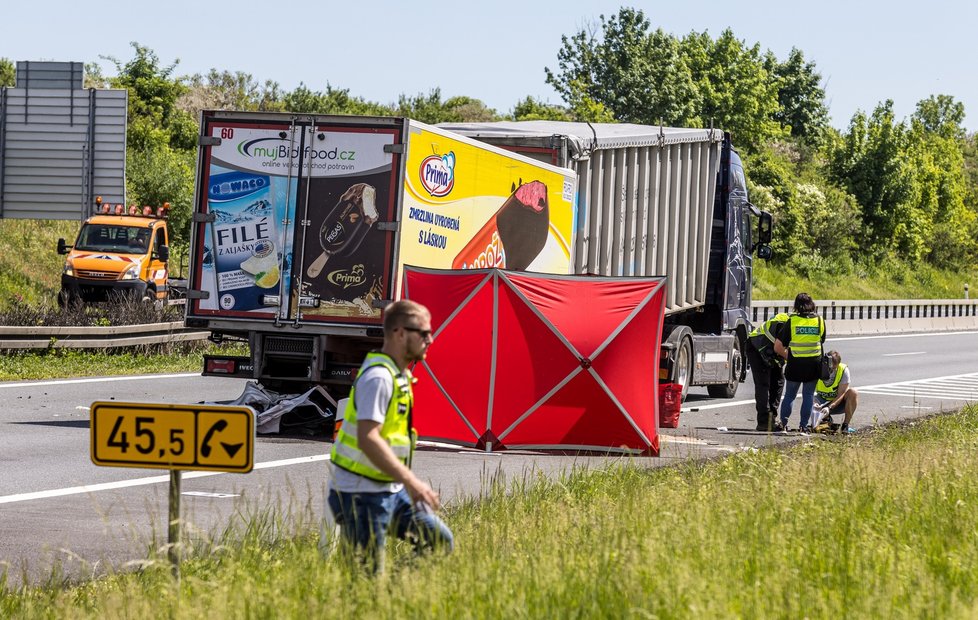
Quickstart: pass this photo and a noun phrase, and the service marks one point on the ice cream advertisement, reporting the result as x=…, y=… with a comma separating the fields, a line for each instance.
x=466, y=207
x=248, y=242
x=346, y=259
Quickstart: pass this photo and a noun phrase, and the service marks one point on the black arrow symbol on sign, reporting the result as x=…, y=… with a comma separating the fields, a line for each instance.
x=231, y=448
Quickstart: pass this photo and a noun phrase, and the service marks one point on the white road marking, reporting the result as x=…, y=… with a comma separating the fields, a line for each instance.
x=922, y=335
x=953, y=387
x=899, y=354
x=97, y=380
x=136, y=482
x=207, y=494
x=717, y=406
x=682, y=439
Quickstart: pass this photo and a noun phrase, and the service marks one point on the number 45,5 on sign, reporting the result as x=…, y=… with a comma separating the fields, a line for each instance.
x=162, y=436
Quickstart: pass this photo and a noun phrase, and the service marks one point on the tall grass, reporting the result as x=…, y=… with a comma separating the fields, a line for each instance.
x=891, y=280
x=881, y=525
x=30, y=266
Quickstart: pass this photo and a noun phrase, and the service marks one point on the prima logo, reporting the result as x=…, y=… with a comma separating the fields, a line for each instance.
x=438, y=174
x=346, y=278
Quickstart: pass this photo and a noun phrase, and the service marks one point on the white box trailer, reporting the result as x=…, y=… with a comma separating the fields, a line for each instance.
x=303, y=224
x=655, y=201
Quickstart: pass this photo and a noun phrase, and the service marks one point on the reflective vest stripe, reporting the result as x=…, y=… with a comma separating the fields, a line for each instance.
x=766, y=329
x=829, y=392
x=806, y=336
x=395, y=430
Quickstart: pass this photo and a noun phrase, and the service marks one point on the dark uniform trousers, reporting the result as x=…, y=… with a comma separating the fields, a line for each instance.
x=768, y=386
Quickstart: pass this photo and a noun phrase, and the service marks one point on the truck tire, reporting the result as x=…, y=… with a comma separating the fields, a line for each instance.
x=683, y=374
x=729, y=390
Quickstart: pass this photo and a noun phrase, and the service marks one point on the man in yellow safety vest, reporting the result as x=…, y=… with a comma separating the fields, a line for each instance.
x=373, y=489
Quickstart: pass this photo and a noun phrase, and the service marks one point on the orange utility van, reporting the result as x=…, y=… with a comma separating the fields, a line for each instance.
x=119, y=251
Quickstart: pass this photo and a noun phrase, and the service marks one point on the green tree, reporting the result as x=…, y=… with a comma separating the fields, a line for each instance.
x=161, y=138
x=94, y=78
x=159, y=174
x=941, y=115
x=625, y=71
x=8, y=72
x=735, y=91
x=530, y=109
x=937, y=140
x=304, y=100
x=429, y=108
x=227, y=90
x=874, y=163
x=154, y=117
x=801, y=97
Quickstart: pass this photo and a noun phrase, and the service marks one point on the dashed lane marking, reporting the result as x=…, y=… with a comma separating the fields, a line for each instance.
x=953, y=387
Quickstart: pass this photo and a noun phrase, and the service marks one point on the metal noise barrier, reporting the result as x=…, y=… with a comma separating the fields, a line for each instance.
x=862, y=317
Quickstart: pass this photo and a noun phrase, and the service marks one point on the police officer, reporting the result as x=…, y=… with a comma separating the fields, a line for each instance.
x=799, y=341
x=766, y=368
x=373, y=489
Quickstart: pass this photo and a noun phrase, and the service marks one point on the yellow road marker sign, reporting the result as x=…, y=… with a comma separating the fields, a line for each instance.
x=163, y=436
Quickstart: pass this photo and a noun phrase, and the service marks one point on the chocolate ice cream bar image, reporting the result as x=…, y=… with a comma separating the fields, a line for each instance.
x=346, y=225
x=514, y=236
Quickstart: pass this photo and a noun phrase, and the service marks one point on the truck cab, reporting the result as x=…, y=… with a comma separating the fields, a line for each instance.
x=119, y=251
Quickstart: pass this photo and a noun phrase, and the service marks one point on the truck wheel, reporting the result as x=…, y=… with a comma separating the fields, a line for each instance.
x=729, y=390
x=684, y=366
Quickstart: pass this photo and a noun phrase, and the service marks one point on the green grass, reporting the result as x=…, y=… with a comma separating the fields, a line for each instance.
x=882, y=524
x=30, y=266
x=891, y=280
x=62, y=363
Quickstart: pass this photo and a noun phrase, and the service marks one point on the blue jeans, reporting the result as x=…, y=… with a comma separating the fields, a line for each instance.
x=366, y=518
x=807, y=399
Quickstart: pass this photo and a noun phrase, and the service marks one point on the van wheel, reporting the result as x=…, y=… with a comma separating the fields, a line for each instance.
x=729, y=390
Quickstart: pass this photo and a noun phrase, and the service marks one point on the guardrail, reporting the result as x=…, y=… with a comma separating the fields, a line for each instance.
x=842, y=318
x=852, y=317
x=17, y=337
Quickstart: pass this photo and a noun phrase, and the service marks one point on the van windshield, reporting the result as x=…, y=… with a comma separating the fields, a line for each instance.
x=108, y=238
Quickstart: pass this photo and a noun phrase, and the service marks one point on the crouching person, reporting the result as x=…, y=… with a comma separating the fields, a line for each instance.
x=373, y=490
x=834, y=396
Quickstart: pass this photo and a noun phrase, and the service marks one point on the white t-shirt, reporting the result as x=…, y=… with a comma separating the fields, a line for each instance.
x=844, y=381
x=375, y=387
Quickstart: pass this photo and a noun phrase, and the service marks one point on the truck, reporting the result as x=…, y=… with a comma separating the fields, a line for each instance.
x=119, y=252
x=302, y=225
x=661, y=201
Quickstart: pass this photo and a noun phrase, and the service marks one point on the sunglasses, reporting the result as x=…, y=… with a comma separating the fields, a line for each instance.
x=424, y=333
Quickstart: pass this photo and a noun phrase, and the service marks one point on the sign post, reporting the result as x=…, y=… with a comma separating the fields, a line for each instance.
x=173, y=437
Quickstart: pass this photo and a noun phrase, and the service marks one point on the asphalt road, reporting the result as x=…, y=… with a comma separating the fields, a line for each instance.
x=57, y=508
